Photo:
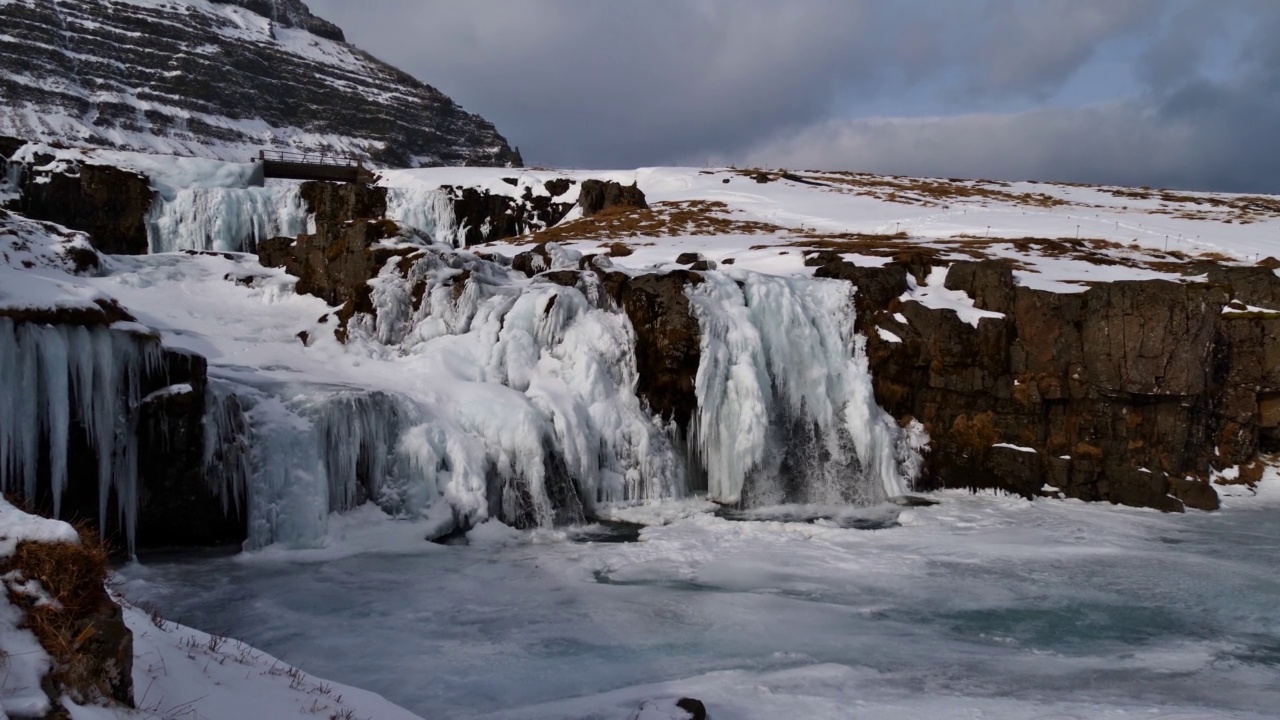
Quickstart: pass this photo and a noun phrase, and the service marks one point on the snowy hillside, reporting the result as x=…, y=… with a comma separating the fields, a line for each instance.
x=219, y=79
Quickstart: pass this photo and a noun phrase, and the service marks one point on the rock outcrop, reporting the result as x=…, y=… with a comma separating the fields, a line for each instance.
x=235, y=76
x=600, y=195
x=108, y=203
x=80, y=627
x=1130, y=392
x=337, y=262
x=482, y=216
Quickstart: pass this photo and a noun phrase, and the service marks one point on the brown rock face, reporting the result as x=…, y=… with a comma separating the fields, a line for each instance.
x=108, y=203
x=599, y=195
x=668, y=340
x=1123, y=391
x=337, y=262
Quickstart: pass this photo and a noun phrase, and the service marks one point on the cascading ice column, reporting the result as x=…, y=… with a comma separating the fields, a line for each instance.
x=786, y=410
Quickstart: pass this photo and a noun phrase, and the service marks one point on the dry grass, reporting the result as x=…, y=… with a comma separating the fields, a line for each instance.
x=975, y=436
x=907, y=190
x=664, y=219
x=73, y=576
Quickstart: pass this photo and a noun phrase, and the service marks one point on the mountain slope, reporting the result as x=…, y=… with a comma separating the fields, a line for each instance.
x=220, y=79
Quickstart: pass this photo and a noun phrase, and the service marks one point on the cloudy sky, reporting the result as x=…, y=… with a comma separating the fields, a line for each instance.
x=1182, y=93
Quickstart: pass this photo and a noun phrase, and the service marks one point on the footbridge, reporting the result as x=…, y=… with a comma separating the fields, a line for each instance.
x=287, y=165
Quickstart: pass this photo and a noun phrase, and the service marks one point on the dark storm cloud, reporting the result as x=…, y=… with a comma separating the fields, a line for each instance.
x=1179, y=92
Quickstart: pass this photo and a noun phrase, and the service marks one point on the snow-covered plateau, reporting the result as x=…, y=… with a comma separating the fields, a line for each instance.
x=681, y=446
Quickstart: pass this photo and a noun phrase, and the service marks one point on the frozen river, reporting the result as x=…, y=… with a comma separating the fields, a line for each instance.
x=980, y=607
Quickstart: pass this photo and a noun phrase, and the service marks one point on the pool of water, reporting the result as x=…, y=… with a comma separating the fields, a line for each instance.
x=978, y=607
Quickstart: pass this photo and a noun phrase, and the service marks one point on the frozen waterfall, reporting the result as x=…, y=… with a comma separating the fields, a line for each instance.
x=786, y=410
x=58, y=380
x=226, y=219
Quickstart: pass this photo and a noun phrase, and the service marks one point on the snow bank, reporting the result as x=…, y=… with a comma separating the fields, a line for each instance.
x=25, y=660
x=181, y=672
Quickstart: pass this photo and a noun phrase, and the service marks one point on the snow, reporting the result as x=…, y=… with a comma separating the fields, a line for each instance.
x=25, y=661
x=887, y=336
x=933, y=294
x=182, y=672
x=17, y=526
x=1019, y=448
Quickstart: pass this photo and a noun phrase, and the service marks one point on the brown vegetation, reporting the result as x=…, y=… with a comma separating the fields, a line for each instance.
x=77, y=623
x=664, y=219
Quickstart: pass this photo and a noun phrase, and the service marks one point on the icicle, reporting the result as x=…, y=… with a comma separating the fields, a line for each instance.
x=227, y=458
x=52, y=377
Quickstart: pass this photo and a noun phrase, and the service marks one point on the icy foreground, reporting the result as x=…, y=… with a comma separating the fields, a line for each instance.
x=979, y=607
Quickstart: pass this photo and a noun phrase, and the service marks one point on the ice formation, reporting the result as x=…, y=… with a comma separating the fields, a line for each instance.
x=226, y=219
x=786, y=410
x=61, y=379
x=426, y=209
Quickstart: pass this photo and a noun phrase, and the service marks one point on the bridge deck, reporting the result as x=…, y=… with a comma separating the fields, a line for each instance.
x=310, y=166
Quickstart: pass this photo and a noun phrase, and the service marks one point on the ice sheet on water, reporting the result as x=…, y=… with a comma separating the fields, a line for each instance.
x=983, y=605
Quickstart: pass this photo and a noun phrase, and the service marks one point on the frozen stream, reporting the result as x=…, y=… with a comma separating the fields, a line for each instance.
x=981, y=607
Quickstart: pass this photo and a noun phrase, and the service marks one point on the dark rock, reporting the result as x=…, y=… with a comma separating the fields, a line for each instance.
x=566, y=278
x=147, y=75
x=1117, y=389
x=109, y=204
x=988, y=282
x=668, y=339
x=600, y=195
x=9, y=146
x=558, y=186
x=1194, y=494
x=290, y=14
x=688, y=258
x=484, y=217
x=532, y=262
x=703, y=265
x=337, y=203
x=177, y=505
x=695, y=708
x=877, y=286
x=337, y=262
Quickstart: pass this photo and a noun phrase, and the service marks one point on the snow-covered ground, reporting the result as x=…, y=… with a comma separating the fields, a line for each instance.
x=179, y=672
x=980, y=607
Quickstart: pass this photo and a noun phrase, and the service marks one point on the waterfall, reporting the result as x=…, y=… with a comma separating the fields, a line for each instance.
x=428, y=210
x=226, y=219
x=786, y=409
x=58, y=380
